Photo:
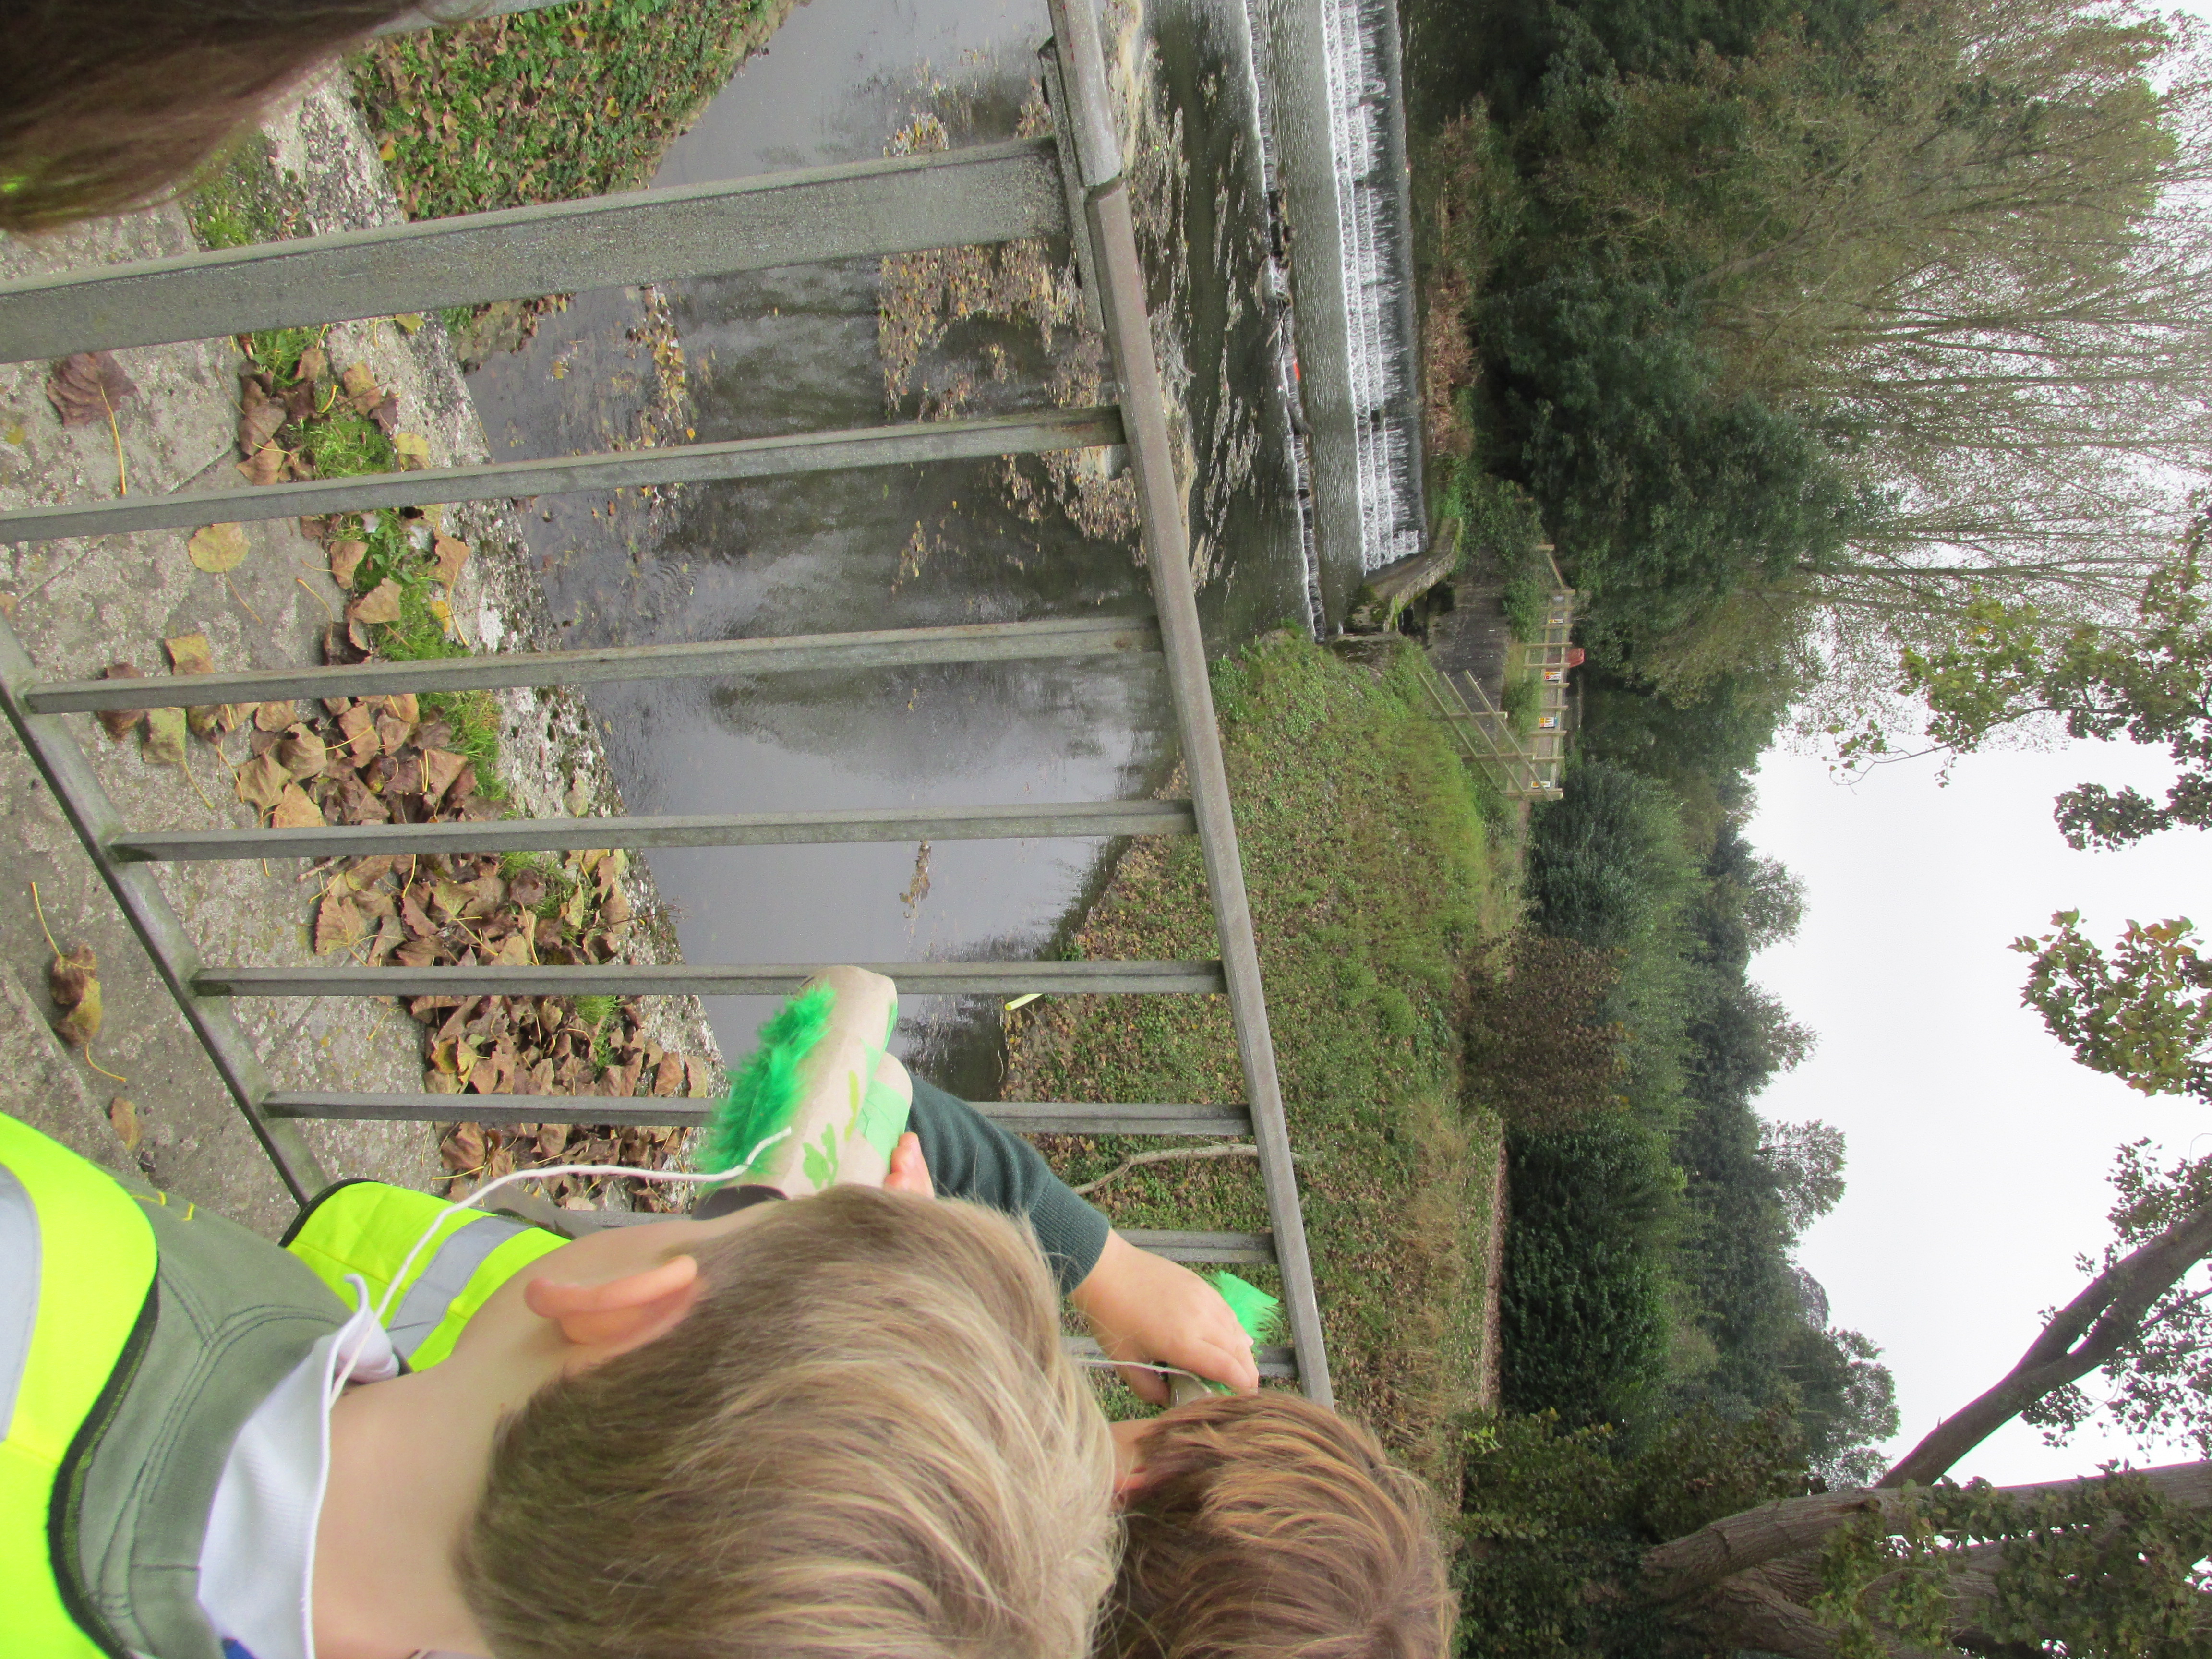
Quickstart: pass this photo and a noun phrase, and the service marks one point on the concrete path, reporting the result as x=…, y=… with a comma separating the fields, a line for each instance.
x=79, y=605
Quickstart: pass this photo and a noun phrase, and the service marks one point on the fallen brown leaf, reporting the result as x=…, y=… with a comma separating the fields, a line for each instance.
x=301, y=753
x=413, y=450
x=360, y=728
x=440, y=768
x=345, y=559
x=275, y=716
x=218, y=548
x=296, y=811
x=314, y=364
x=191, y=653
x=88, y=387
x=118, y=722
x=262, y=780
x=163, y=743
x=259, y=418
x=379, y=604
x=75, y=981
x=124, y=1116
x=450, y=556
x=266, y=465
x=339, y=925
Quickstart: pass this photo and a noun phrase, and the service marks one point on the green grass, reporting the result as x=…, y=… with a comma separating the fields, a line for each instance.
x=549, y=106
x=1374, y=885
x=1521, y=697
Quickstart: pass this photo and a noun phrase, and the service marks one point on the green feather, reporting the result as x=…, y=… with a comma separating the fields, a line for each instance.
x=1260, y=1314
x=764, y=1096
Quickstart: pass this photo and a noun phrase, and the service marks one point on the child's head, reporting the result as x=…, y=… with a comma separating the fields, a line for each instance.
x=862, y=1439
x=1263, y=1526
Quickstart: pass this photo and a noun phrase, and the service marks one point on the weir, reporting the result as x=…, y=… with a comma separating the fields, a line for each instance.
x=1335, y=114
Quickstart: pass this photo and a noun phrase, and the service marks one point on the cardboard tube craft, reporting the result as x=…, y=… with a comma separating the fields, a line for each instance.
x=822, y=1100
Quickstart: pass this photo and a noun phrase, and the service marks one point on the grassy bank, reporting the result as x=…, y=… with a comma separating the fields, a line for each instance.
x=1374, y=881
x=543, y=106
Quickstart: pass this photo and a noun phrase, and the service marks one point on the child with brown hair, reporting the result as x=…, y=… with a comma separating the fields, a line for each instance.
x=1257, y=1525
x=1260, y=1526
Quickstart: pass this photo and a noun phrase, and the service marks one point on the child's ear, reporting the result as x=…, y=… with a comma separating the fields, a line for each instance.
x=621, y=1314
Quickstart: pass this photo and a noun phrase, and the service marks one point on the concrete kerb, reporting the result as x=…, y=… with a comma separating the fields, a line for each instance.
x=81, y=605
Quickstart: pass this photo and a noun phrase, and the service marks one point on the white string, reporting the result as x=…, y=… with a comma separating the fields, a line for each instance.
x=546, y=1172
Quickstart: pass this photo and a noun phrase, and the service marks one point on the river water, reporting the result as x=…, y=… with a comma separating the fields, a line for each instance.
x=804, y=349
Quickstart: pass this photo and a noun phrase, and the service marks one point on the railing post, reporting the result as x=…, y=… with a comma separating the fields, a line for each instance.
x=1167, y=549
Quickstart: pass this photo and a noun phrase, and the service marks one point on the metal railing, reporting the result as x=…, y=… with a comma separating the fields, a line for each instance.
x=1528, y=765
x=990, y=193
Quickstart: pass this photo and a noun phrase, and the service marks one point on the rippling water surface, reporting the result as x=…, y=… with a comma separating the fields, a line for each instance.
x=797, y=349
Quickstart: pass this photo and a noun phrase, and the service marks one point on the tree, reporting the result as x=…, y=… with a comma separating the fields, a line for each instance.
x=2152, y=681
x=1961, y=247
x=1808, y=1162
x=2143, y=1016
x=2109, y=1565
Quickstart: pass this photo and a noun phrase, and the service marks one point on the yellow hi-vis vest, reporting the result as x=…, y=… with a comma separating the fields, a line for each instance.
x=366, y=1227
x=71, y=1330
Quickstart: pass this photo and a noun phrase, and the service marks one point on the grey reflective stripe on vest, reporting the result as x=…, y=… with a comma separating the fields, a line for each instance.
x=447, y=1277
x=19, y=1263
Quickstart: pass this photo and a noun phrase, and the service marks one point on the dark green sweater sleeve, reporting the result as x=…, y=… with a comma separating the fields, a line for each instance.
x=970, y=1157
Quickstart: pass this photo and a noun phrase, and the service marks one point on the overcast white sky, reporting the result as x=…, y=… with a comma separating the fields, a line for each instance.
x=1979, y=1151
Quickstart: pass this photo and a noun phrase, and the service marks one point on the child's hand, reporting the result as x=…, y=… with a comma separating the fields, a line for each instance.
x=909, y=1171
x=1143, y=1307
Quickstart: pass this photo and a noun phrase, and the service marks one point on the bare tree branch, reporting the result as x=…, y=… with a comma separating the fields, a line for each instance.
x=2087, y=1333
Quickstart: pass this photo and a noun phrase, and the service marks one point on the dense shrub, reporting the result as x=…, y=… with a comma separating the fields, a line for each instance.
x=1607, y=865
x=1539, y=1049
x=1583, y=1307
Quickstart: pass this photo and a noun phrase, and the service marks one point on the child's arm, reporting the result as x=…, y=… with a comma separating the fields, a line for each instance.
x=970, y=1157
x=1141, y=1307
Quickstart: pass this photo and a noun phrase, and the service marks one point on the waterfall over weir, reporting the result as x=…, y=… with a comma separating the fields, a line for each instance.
x=1335, y=119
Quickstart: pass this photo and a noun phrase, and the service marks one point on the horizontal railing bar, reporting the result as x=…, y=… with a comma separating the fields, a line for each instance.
x=1113, y=817
x=651, y=1112
x=1088, y=1118
x=900, y=648
x=1273, y=1360
x=913, y=441
x=1203, y=1247
x=766, y=979
x=860, y=209
x=665, y=1112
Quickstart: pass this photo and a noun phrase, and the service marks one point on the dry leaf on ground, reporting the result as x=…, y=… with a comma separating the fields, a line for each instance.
x=379, y=604
x=124, y=1117
x=75, y=981
x=163, y=743
x=119, y=721
x=263, y=780
x=300, y=753
x=88, y=387
x=296, y=811
x=413, y=449
x=218, y=548
x=266, y=465
x=451, y=554
x=345, y=559
x=339, y=925
x=259, y=416
x=191, y=653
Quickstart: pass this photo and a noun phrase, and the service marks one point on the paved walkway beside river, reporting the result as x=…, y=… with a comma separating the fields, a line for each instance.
x=80, y=606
